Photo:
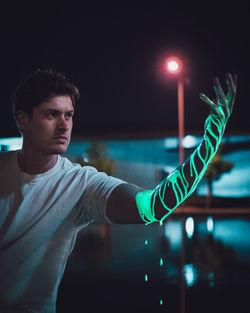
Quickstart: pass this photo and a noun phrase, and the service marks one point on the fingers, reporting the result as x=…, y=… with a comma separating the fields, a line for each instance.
x=224, y=104
x=232, y=87
x=204, y=98
x=208, y=101
x=219, y=91
x=232, y=83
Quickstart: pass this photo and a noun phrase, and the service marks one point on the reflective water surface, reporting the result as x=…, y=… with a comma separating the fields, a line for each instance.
x=189, y=264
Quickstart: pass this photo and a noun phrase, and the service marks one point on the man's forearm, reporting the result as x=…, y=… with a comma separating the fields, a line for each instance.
x=156, y=205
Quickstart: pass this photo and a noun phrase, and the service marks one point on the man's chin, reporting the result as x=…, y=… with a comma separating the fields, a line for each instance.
x=59, y=150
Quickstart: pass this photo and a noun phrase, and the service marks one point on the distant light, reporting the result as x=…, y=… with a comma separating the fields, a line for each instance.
x=161, y=262
x=190, y=274
x=210, y=224
x=189, y=141
x=174, y=65
x=10, y=144
x=172, y=232
x=211, y=279
x=189, y=227
x=171, y=143
x=85, y=159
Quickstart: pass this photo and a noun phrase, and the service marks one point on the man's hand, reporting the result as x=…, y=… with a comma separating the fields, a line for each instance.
x=223, y=105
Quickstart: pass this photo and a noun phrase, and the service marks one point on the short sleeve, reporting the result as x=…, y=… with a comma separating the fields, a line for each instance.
x=97, y=188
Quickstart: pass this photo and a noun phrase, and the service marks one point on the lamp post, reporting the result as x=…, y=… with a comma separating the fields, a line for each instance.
x=174, y=66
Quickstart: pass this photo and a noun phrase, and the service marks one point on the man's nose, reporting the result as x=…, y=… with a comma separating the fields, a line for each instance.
x=63, y=123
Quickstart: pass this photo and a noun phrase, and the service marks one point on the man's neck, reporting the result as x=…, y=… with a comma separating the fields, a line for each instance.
x=32, y=163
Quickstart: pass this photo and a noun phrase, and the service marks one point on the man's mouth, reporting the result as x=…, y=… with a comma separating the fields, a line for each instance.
x=61, y=138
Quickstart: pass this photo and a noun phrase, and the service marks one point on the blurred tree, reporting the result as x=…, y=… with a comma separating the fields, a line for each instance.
x=97, y=156
x=215, y=170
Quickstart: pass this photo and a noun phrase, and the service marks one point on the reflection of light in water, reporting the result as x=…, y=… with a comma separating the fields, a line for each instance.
x=189, y=227
x=161, y=261
x=172, y=231
x=190, y=274
x=234, y=233
x=211, y=279
x=210, y=224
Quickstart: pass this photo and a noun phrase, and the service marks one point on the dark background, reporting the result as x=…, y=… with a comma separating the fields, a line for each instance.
x=115, y=52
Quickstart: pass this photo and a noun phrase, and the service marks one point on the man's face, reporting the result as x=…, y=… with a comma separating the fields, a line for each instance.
x=48, y=131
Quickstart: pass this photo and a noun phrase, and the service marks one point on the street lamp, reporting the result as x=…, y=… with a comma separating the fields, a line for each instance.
x=174, y=66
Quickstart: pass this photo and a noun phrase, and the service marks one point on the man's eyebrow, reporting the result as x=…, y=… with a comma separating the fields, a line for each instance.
x=52, y=110
x=58, y=111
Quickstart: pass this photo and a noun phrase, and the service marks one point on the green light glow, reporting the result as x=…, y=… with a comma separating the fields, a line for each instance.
x=180, y=183
x=183, y=180
x=161, y=262
x=146, y=277
x=161, y=302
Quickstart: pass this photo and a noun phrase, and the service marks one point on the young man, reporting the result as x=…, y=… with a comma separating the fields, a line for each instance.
x=45, y=199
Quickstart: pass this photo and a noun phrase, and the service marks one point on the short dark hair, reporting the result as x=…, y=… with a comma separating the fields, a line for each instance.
x=40, y=87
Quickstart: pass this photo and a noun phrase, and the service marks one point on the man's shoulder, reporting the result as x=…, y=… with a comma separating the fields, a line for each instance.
x=66, y=163
x=73, y=168
x=70, y=165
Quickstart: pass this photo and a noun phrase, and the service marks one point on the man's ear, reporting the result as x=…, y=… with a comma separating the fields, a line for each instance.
x=22, y=119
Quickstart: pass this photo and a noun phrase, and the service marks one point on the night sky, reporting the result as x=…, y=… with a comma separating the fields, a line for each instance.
x=115, y=53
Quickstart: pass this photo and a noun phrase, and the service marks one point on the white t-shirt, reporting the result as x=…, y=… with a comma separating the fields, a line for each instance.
x=40, y=216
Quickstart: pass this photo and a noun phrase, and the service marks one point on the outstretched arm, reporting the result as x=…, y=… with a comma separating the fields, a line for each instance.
x=131, y=204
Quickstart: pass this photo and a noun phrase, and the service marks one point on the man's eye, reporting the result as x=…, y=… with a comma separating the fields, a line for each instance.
x=51, y=115
x=69, y=115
